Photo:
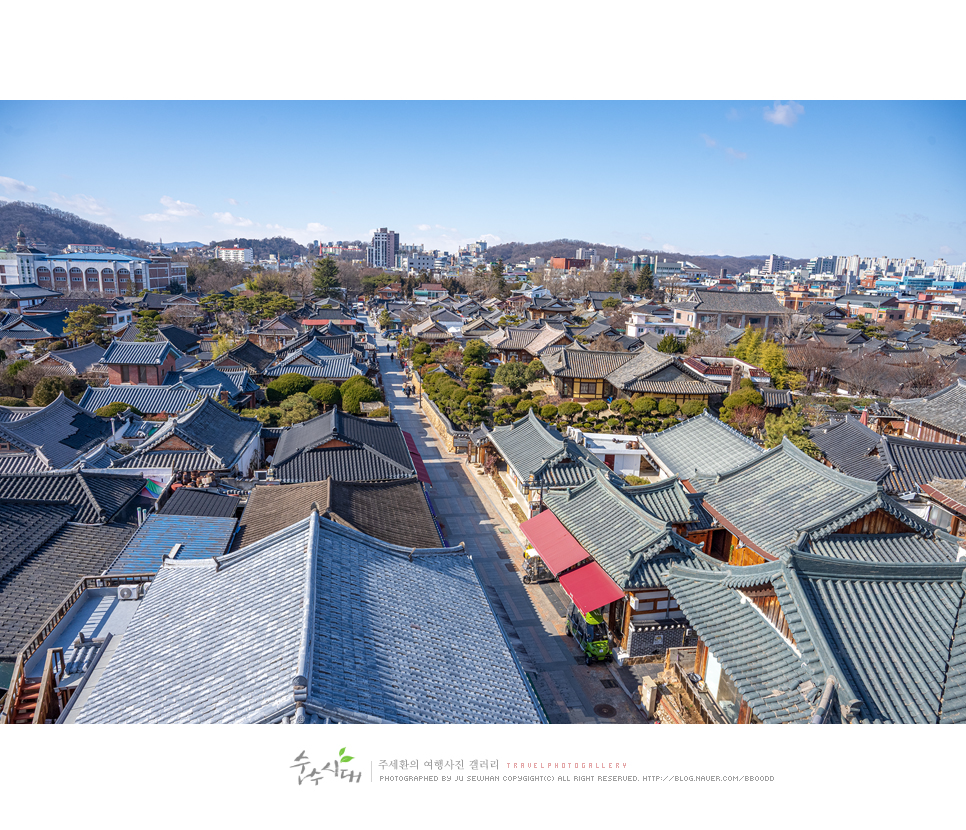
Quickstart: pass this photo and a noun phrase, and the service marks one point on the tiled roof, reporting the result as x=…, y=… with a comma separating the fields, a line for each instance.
x=35, y=588
x=335, y=425
x=180, y=338
x=775, y=398
x=98, y=497
x=61, y=431
x=78, y=360
x=945, y=410
x=28, y=462
x=784, y=493
x=702, y=444
x=330, y=337
x=191, y=501
x=232, y=381
x=200, y=537
x=737, y=302
x=26, y=525
x=366, y=628
x=210, y=428
x=633, y=546
x=667, y=500
x=532, y=447
x=248, y=354
x=140, y=354
x=180, y=461
x=887, y=547
x=147, y=399
x=391, y=511
x=545, y=337
x=767, y=672
x=851, y=447
x=912, y=463
x=949, y=492
x=511, y=339
x=338, y=367
x=588, y=364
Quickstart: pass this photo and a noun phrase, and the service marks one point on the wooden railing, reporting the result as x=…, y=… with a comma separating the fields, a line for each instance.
x=48, y=701
x=17, y=679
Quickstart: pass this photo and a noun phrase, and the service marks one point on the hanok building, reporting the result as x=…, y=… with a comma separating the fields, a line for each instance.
x=524, y=344
x=710, y=310
x=591, y=375
x=397, y=512
x=246, y=356
x=784, y=496
x=67, y=363
x=532, y=457
x=817, y=639
x=937, y=417
x=633, y=547
x=272, y=334
x=699, y=445
x=153, y=401
x=316, y=361
x=540, y=308
x=145, y=363
x=339, y=628
x=342, y=447
x=60, y=436
x=206, y=441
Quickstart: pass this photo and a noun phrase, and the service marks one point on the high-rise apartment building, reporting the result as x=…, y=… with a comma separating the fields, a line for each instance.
x=382, y=252
x=242, y=255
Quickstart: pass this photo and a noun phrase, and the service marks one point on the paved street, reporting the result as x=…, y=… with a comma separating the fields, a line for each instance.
x=470, y=510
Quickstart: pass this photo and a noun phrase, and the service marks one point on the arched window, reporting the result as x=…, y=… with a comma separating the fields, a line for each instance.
x=76, y=275
x=60, y=274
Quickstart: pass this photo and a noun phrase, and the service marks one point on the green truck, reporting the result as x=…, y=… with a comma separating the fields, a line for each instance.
x=590, y=633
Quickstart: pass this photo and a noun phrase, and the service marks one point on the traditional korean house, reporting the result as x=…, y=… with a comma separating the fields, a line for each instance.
x=817, y=639
x=245, y=356
x=304, y=592
x=57, y=437
x=83, y=360
x=850, y=446
x=397, y=512
x=533, y=458
x=273, y=334
x=316, y=360
x=139, y=362
x=542, y=307
x=337, y=339
x=771, y=502
x=235, y=386
x=151, y=401
x=633, y=547
x=206, y=441
x=937, y=417
x=702, y=444
x=342, y=447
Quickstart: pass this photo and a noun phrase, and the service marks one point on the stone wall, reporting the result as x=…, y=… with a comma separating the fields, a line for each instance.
x=454, y=440
x=643, y=645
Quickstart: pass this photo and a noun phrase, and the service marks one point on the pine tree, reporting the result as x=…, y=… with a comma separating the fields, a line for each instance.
x=325, y=277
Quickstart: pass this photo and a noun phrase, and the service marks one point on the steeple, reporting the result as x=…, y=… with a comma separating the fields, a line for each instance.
x=22, y=243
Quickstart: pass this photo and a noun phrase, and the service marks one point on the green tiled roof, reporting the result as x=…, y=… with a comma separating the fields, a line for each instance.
x=891, y=634
x=888, y=547
x=632, y=545
x=784, y=493
x=702, y=444
x=667, y=500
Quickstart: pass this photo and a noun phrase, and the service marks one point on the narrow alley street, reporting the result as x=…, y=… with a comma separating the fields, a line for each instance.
x=470, y=511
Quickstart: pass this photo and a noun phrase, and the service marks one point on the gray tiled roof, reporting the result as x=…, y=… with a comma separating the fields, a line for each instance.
x=140, y=354
x=232, y=381
x=632, y=545
x=364, y=626
x=702, y=444
x=887, y=547
x=667, y=500
x=570, y=363
x=851, y=447
x=35, y=588
x=248, y=354
x=338, y=367
x=737, y=302
x=61, y=431
x=98, y=497
x=945, y=409
x=913, y=463
x=25, y=526
x=77, y=360
x=201, y=537
x=147, y=399
x=210, y=428
x=783, y=493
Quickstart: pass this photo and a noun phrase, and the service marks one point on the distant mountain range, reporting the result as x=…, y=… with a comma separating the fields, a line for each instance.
x=513, y=252
x=169, y=245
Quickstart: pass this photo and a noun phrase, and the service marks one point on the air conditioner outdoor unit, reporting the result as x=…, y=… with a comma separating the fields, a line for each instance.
x=128, y=591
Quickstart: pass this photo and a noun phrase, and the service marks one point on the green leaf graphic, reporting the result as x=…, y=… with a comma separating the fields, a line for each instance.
x=347, y=758
x=342, y=752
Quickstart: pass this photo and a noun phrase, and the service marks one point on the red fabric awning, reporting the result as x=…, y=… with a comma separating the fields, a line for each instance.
x=557, y=548
x=590, y=587
x=422, y=474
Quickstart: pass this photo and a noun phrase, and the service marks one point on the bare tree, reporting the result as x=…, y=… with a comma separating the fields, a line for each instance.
x=814, y=360
x=602, y=343
x=918, y=379
x=748, y=419
x=182, y=316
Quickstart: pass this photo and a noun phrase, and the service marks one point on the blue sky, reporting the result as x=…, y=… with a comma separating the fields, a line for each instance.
x=796, y=178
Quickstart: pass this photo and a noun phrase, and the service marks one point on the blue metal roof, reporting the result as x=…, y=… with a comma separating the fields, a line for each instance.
x=201, y=537
x=95, y=258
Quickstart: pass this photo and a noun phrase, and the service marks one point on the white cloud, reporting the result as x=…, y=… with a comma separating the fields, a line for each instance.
x=784, y=114
x=488, y=238
x=15, y=185
x=736, y=154
x=232, y=201
x=229, y=219
x=304, y=236
x=423, y=227
x=945, y=250
x=178, y=208
x=157, y=217
x=709, y=141
x=81, y=204
x=669, y=248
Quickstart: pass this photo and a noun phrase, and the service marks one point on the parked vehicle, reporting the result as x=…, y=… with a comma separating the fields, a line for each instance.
x=535, y=569
x=590, y=633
